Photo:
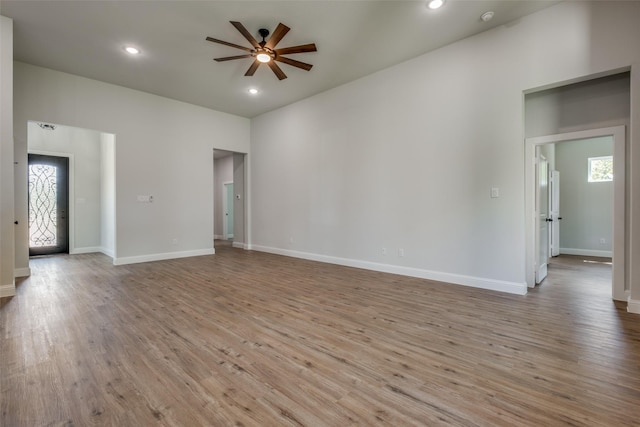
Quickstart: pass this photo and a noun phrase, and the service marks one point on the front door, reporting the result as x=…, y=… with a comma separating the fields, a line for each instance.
x=48, y=204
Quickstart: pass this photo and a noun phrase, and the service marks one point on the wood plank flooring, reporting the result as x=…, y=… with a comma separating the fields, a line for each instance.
x=244, y=338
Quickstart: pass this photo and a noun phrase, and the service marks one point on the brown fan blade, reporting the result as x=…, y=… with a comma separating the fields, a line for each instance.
x=277, y=35
x=229, y=58
x=252, y=69
x=276, y=70
x=247, y=35
x=237, y=46
x=293, y=62
x=311, y=47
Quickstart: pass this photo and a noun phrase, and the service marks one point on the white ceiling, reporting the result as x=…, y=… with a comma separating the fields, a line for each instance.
x=354, y=38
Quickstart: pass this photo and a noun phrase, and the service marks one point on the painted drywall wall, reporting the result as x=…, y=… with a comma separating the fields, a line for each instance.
x=7, y=281
x=85, y=198
x=223, y=172
x=107, y=194
x=597, y=103
x=393, y=171
x=163, y=149
x=586, y=207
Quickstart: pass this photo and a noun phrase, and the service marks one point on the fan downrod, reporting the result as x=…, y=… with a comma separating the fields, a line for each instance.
x=263, y=33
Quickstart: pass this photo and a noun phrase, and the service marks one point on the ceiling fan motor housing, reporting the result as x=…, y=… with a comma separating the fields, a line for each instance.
x=263, y=33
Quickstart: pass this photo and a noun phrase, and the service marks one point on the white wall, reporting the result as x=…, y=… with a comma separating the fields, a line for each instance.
x=7, y=282
x=405, y=158
x=223, y=172
x=162, y=148
x=597, y=103
x=107, y=194
x=85, y=196
x=586, y=207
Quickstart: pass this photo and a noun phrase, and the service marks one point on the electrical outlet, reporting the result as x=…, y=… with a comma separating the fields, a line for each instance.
x=174, y=241
x=603, y=241
x=400, y=252
x=384, y=251
x=145, y=199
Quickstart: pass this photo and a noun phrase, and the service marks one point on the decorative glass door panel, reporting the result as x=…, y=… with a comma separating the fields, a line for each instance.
x=48, y=204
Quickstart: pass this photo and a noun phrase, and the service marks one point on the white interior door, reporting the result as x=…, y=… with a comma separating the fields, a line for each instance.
x=554, y=212
x=542, y=216
x=227, y=207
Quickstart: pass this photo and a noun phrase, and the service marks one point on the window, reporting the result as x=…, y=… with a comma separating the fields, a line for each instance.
x=601, y=169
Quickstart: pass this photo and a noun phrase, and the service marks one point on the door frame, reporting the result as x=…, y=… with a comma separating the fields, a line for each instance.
x=225, y=197
x=618, y=133
x=70, y=195
x=554, y=213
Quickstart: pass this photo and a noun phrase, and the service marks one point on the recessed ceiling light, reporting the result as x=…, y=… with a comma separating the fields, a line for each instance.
x=487, y=16
x=435, y=4
x=253, y=91
x=131, y=50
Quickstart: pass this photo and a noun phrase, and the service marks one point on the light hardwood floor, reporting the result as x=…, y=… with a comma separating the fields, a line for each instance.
x=243, y=338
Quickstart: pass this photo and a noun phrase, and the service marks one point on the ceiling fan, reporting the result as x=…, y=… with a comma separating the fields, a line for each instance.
x=265, y=52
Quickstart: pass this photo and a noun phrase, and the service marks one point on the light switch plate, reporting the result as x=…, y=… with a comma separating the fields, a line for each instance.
x=495, y=192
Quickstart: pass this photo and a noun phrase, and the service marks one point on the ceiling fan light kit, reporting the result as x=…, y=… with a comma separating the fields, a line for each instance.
x=264, y=52
x=435, y=4
x=263, y=57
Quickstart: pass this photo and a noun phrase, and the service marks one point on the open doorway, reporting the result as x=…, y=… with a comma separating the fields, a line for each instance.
x=537, y=257
x=594, y=107
x=229, y=198
x=89, y=213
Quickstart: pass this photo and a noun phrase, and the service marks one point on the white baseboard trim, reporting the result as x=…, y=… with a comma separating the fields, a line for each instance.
x=218, y=237
x=107, y=252
x=633, y=306
x=22, y=272
x=7, y=290
x=86, y=250
x=92, y=250
x=586, y=252
x=238, y=245
x=161, y=257
x=475, y=282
